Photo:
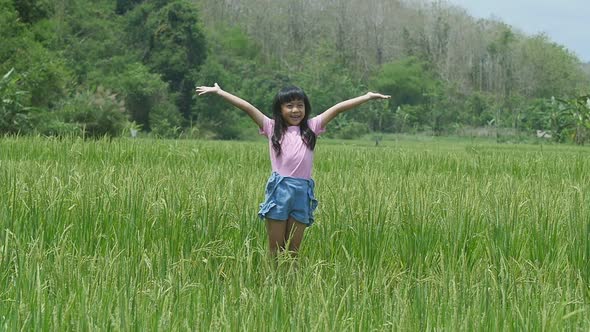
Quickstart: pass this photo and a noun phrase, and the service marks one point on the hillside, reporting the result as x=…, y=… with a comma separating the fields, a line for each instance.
x=95, y=68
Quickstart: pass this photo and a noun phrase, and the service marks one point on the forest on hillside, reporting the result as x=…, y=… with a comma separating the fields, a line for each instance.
x=95, y=68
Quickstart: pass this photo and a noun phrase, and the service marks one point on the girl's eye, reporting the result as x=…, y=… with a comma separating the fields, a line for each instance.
x=292, y=105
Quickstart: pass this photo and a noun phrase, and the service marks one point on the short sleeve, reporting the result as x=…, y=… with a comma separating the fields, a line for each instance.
x=315, y=124
x=267, y=127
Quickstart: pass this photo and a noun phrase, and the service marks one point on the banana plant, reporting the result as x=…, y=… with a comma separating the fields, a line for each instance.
x=577, y=111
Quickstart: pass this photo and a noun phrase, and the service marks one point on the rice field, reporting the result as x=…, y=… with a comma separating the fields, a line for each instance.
x=411, y=235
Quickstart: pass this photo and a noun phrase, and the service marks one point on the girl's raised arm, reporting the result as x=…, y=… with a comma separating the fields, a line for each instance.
x=331, y=112
x=238, y=102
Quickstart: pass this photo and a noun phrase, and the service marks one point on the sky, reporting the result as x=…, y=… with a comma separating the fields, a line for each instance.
x=566, y=22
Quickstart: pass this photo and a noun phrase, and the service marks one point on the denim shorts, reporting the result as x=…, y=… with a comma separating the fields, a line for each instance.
x=286, y=197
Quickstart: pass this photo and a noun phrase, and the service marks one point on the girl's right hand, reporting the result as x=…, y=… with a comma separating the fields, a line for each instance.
x=201, y=90
x=373, y=95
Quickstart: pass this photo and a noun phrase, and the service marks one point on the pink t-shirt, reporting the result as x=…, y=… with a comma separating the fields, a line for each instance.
x=296, y=158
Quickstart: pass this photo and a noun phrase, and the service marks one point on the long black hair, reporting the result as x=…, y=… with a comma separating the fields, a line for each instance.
x=286, y=95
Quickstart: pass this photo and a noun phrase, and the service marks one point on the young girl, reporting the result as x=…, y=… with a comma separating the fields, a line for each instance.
x=289, y=200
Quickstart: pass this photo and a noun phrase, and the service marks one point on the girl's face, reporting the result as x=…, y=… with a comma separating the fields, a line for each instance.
x=293, y=112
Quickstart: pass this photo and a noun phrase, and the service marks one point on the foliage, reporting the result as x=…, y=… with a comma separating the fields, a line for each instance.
x=52, y=124
x=42, y=73
x=478, y=109
x=97, y=112
x=549, y=69
x=577, y=111
x=123, y=6
x=381, y=118
x=539, y=115
x=416, y=234
x=63, y=47
x=143, y=92
x=237, y=70
x=325, y=82
x=170, y=41
x=407, y=81
x=455, y=57
x=32, y=11
x=15, y=116
x=153, y=53
x=165, y=120
x=91, y=36
x=351, y=130
x=406, y=118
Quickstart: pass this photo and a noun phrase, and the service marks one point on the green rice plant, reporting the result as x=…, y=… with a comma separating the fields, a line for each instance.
x=138, y=234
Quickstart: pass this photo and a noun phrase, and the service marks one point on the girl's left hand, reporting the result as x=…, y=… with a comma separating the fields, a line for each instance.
x=373, y=95
x=201, y=90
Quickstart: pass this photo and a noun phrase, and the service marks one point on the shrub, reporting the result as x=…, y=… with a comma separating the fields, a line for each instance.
x=166, y=121
x=14, y=114
x=97, y=113
x=352, y=130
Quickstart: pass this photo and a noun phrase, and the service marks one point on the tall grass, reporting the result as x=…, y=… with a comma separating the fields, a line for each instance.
x=163, y=235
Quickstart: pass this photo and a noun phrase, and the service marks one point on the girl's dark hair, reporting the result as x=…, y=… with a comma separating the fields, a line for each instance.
x=286, y=95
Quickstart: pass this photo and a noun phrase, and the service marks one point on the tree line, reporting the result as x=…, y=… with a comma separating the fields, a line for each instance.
x=446, y=70
x=74, y=67
x=93, y=68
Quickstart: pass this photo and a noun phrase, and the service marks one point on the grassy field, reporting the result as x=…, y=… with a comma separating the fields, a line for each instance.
x=410, y=235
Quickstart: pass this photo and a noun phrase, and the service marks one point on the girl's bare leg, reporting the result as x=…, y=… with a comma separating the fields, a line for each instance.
x=294, y=235
x=284, y=233
x=276, y=230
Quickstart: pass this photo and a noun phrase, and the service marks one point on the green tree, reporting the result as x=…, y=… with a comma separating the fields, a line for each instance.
x=407, y=81
x=42, y=73
x=548, y=69
x=502, y=69
x=93, y=41
x=216, y=115
x=124, y=6
x=233, y=62
x=143, y=92
x=31, y=11
x=169, y=39
x=96, y=112
x=14, y=114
